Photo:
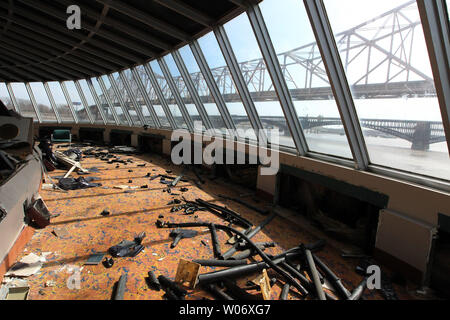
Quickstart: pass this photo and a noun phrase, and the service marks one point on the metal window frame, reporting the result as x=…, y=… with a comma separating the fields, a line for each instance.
x=144, y=94
x=12, y=97
x=172, y=87
x=240, y=84
x=108, y=100
x=52, y=102
x=96, y=100
x=276, y=74
x=113, y=83
x=192, y=91
x=212, y=85
x=84, y=101
x=159, y=93
x=127, y=87
x=33, y=102
x=69, y=101
x=338, y=80
x=437, y=37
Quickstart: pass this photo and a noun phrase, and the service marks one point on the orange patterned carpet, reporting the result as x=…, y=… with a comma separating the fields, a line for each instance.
x=89, y=232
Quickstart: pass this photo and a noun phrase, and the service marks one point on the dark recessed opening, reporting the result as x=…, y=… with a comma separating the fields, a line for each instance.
x=151, y=144
x=441, y=258
x=341, y=216
x=91, y=135
x=245, y=175
x=120, y=138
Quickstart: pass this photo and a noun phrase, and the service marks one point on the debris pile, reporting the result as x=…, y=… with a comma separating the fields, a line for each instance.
x=300, y=271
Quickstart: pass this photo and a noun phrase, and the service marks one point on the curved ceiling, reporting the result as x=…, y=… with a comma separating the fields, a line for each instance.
x=36, y=44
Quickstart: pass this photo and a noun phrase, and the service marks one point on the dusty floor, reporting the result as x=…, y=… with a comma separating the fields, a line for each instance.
x=131, y=213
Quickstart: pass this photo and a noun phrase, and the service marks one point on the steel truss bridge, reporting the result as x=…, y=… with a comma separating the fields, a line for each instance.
x=378, y=56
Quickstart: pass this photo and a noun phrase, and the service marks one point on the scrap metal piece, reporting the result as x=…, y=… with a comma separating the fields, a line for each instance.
x=314, y=274
x=179, y=234
x=168, y=284
x=221, y=263
x=153, y=281
x=215, y=242
x=187, y=273
x=121, y=287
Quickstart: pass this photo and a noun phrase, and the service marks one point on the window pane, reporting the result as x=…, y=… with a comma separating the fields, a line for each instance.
x=222, y=76
x=306, y=77
x=42, y=102
x=90, y=101
x=258, y=81
x=103, y=102
x=4, y=96
x=115, y=101
x=202, y=88
x=389, y=70
x=140, y=99
x=60, y=101
x=138, y=96
x=162, y=82
x=126, y=99
x=153, y=96
x=23, y=100
x=183, y=90
x=76, y=102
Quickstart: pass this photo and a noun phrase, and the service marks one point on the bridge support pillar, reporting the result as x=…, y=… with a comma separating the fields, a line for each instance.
x=421, y=137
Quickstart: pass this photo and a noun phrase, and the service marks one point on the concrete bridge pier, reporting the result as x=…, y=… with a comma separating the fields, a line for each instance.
x=422, y=137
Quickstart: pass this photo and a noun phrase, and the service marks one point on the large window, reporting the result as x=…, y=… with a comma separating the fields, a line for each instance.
x=136, y=92
x=126, y=99
x=258, y=81
x=202, y=88
x=92, y=105
x=43, y=103
x=306, y=77
x=154, y=99
x=182, y=89
x=23, y=100
x=4, y=96
x=222, y=76
x=389, y=71
x=114, y=100
x=60, y=101
x=76, y=102
x=168, y=95
x=103, y=102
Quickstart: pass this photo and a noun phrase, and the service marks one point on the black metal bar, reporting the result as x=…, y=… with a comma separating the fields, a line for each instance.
x=285, y=292
x=251, y=234
x=167, y=283
x=314, y=274
x=226, y=212
x=219, y=294
x=237, y=292
x=121, y=287
x=246, y=204
x=333, y=278
x=359, y=290
x=243, y=270
x=215, y=242
x=153, y=281
x=221, y=263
